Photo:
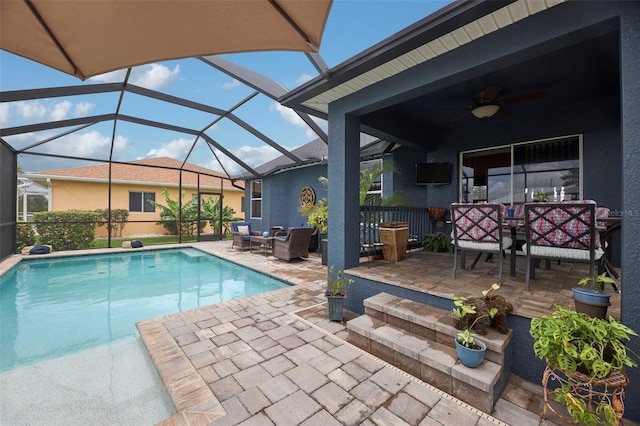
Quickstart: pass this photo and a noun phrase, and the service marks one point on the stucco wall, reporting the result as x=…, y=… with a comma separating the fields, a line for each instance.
x=280, y=194
x=68, y=195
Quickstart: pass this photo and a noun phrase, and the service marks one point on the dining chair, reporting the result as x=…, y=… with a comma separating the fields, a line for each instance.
x=479, y=228
x=565, y=231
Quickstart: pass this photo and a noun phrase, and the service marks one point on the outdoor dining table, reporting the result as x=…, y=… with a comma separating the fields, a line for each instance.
x=606, y=228
x=513, y=226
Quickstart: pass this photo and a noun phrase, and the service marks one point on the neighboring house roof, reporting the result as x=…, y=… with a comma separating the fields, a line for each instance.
x=316, y=152
x=161, y=171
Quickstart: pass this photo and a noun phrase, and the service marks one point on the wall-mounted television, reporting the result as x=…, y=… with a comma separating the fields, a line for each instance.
x=433, y=173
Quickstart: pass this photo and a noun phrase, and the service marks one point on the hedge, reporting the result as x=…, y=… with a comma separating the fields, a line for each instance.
x=66, y=230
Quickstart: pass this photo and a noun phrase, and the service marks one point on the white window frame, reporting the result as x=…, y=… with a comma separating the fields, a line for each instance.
x=255, y=199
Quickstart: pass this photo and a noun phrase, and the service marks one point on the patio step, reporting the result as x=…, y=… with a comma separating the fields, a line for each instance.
x=418, y=339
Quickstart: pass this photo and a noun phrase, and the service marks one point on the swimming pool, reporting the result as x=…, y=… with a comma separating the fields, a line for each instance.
x=57, y=306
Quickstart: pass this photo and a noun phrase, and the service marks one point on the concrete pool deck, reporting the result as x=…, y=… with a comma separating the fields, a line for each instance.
x=272, y=359
x=276, y=359
x=264, y=360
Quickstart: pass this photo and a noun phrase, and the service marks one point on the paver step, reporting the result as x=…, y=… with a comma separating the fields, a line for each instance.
x=418, y=339
x=431, y=322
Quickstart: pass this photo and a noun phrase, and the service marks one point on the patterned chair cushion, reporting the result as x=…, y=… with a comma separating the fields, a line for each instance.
x=478, y=224
x=555, y=227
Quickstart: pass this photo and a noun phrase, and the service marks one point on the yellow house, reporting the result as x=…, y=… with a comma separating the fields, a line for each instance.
x=132, y=185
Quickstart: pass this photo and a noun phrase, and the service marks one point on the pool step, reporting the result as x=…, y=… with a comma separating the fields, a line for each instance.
x=418, y=339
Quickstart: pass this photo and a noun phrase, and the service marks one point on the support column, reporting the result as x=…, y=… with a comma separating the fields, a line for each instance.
x=630, y=132
x=344, y=178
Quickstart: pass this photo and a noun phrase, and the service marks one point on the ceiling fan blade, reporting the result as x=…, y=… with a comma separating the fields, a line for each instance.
x=487, y=96
x=503, y=112
x=453, y=106
x=459, y=117
x=527, y=97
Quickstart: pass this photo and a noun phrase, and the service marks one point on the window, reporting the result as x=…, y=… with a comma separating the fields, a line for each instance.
x=515, y=173
x=374, y=194
x=142, y=202
x=256, y=199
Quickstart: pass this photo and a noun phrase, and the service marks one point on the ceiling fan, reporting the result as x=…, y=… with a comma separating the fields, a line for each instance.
x=486, y=103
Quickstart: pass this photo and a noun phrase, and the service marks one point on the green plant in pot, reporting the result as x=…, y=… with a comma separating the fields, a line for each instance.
x=336, y=291
x=470, y=349
x=571, y=341
x=437, y=242
x=540, y=196
x=593, y=300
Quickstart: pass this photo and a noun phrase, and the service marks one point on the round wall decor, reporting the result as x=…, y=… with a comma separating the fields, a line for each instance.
x=307, y=196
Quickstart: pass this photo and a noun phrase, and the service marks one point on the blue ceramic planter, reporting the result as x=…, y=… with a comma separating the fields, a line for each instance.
x=470, y=357
x=591, y=303
x=335, y=308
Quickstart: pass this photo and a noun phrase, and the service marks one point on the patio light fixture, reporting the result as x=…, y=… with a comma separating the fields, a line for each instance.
x=485, y=111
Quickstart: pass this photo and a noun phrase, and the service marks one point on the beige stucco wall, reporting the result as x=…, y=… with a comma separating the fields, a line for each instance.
x=79, y=195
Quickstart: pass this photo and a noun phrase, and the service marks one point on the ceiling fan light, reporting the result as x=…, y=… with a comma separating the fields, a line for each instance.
x=485, y=111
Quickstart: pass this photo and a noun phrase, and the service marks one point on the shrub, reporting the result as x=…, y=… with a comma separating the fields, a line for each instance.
x=24, y=236
x=67, y=230
x=119, y=219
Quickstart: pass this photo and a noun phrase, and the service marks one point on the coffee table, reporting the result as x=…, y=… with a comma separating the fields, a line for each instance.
x=260, y=241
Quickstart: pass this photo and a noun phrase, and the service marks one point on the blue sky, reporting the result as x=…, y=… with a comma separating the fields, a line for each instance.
x=353, y=26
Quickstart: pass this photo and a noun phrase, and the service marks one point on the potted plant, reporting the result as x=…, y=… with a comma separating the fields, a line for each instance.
x=593, y=301
x=571, y=342
x=437, y=242
x=471, y=313
x=540, y=196
x=336, y=292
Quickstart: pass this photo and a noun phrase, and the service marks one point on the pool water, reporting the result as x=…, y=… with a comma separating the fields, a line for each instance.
x=54, y=307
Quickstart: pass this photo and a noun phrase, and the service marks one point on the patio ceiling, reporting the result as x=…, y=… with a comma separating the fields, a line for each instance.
x=574, y=69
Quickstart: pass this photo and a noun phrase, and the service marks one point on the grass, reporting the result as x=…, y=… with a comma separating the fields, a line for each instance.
x=146, y=241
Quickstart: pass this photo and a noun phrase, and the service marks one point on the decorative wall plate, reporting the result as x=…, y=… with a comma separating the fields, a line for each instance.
x=307, y=196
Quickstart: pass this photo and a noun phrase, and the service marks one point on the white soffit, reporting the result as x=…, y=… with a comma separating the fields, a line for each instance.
x=480, y=27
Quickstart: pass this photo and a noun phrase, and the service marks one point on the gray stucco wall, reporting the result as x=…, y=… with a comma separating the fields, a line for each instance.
x=280, y=194
x=611, y=129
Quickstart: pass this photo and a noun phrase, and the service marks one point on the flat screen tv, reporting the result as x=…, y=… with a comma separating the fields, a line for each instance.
x=433, y=173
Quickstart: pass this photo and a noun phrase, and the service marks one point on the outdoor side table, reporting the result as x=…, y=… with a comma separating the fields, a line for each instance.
x=262, y=242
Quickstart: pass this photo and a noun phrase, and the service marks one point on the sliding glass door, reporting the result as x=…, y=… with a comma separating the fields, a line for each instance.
x=549, y=169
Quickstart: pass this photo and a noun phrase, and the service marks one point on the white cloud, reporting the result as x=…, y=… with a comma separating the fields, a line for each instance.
x=303, y=78
x=110, y=77
x=36, y=111
x=30, y=110
x=177, y=148
x=291, y=117
x=4, y=114
x=231, y=84
x=60, y=110
x=90, y=145
x=151, y=76
x=252, y=156
x=83, y=108
x=154, y=76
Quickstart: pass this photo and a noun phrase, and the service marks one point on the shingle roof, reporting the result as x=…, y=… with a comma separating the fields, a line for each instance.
x=163, y=170
x=316, y=152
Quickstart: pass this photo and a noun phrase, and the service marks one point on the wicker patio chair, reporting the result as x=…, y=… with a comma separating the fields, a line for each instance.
x=294, y=245
x=242, y=235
